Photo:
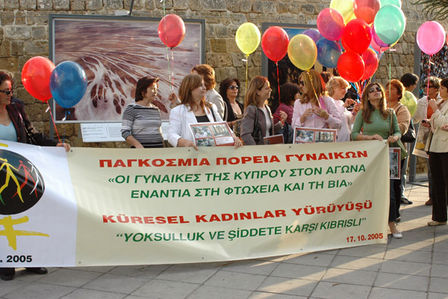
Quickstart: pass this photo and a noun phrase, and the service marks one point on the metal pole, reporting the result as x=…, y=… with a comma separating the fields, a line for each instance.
x=131, y=7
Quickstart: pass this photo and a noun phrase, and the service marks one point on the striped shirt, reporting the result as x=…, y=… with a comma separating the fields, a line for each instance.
x=143, y=123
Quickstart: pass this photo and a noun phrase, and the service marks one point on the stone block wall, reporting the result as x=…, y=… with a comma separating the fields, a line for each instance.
x=24, y=34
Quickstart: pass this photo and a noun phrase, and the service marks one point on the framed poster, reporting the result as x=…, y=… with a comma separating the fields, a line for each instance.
x=115, y=52
x=212, y=134
x=311, y=135
x=394, y=163
x=287, y=72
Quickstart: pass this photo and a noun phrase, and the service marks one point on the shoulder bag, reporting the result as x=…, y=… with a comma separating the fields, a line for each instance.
x=398, y=143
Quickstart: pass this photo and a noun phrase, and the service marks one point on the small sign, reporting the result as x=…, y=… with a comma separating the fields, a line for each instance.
x=101, y=132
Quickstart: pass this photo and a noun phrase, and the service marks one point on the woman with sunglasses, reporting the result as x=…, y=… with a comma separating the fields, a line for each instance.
x=423, y=115
x=257, y=121
x=313, y=109
x=375, y=121
x=229, y=89
x=14, y=124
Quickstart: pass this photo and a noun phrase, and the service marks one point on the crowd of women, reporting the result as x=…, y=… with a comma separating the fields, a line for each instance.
x=383, y=114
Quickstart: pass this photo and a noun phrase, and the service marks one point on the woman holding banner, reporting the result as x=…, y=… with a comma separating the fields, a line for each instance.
x=376, y=122
x=15, y=126
x=192, y=110
x=141, y=121
x=314, y=109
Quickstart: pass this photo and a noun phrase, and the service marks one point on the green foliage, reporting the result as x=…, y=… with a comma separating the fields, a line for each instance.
x=435, y=9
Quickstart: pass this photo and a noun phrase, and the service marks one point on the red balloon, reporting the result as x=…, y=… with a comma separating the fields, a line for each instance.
x=274, y=43
x=36, y=75
x=371, y=63
x=351, y=66
x=171, y=30
x=356, y=36
x=366, y=9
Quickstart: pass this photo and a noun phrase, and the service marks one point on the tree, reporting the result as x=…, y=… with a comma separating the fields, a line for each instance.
x=436, y=9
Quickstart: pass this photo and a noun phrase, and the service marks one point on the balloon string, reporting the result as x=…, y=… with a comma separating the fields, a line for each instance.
x=170, y=68
x=314, y=89
x=278, y=82
x=247, y=70
x=54, y=123
x=164, y=7
x=427, y=76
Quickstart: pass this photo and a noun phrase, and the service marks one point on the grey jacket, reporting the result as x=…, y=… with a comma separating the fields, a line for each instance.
x=247, y=124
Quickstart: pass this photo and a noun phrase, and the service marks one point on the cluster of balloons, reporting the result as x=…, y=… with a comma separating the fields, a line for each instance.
x=66, y=83
x=352, y=29
x=349, y=36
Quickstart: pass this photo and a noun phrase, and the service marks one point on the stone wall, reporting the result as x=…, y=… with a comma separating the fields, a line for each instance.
x=24, y=34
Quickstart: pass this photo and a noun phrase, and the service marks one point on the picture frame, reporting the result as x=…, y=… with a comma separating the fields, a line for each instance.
x=394, y=163
x=274, y=139
x=288, y=72
x=116, y=51
x=212, y=134
x=313, y=135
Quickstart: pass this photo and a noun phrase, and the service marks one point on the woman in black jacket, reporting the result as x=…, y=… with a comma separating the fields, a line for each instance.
x=15, y=126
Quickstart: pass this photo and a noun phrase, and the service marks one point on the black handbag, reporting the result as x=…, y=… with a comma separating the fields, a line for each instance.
x=257, y=135
x=410, y=134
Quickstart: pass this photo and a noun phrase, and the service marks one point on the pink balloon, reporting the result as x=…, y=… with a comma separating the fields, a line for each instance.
x=330, y=23
x=430, y=37
x=371, y=63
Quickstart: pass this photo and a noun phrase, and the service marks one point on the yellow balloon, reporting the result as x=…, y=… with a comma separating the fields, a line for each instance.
x=302, y=51
x=345, y=8
x=248, y=38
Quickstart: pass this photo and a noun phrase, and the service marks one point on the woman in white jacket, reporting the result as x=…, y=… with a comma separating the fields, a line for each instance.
x=438, y=155
x=192, y=110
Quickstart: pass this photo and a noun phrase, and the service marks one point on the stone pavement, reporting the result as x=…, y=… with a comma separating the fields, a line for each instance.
x=413, y=267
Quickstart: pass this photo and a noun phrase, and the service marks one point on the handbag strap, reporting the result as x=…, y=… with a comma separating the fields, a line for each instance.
x=391, y=129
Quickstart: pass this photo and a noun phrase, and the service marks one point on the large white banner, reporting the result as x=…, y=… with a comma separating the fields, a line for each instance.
x=178, y=205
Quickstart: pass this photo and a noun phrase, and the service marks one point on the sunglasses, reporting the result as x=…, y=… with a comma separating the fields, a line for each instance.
x=374, y=89
x=301, y=83
x=432, y=86
x=234, y=87
x=7, y=92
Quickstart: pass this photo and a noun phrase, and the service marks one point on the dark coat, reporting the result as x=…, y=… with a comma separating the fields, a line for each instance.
x=22, y=124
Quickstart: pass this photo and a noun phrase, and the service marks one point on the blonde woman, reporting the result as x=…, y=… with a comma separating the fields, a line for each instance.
x=337, y=88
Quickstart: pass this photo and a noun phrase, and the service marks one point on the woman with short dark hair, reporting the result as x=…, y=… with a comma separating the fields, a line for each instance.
x=229, y=89
x=141, y=121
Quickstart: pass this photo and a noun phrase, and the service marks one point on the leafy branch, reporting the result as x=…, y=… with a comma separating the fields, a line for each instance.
x=436, y=9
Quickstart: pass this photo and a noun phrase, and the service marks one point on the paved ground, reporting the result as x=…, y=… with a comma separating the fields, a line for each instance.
x=413, y=267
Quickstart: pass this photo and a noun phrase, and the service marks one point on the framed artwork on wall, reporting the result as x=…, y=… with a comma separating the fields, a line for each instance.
x=287, y=71
x=116, y=51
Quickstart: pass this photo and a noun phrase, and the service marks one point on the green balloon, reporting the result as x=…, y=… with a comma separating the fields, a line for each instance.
x=391, y=2
x=389, y=24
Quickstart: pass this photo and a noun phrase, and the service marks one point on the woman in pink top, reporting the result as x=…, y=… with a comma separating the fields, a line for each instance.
x=313, y=109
